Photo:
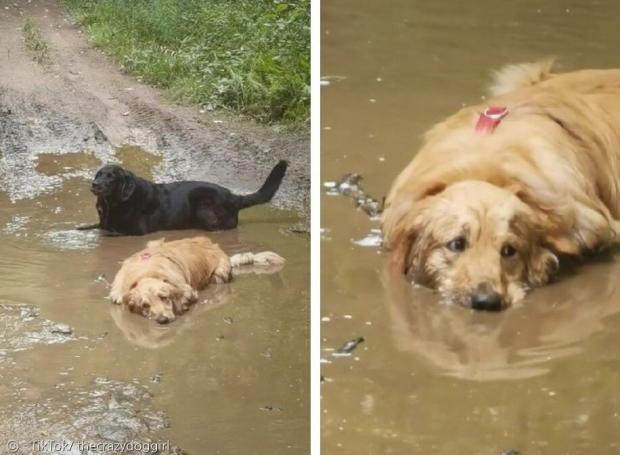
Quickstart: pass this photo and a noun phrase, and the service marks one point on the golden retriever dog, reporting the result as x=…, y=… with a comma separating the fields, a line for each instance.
x=161, y=281
x=499, y=190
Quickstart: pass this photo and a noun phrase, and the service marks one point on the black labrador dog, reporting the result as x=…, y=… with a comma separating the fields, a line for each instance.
x=128, y=204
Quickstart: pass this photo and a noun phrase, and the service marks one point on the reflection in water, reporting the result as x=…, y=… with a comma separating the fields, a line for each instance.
x=518, y=343
x=146, y=333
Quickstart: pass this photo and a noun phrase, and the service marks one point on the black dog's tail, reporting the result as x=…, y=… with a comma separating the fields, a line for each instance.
x=269, y=188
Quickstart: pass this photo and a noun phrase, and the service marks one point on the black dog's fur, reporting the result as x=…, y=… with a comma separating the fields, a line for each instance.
x=128, y=204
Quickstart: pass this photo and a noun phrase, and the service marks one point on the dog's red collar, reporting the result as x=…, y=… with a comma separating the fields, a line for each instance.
x=490, y=118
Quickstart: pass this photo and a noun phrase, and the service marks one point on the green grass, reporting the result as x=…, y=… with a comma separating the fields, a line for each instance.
x=33, y=39
x=248, y=56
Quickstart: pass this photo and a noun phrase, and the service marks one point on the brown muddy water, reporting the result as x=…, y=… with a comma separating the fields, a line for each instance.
x=230, y=377
x=541, y=378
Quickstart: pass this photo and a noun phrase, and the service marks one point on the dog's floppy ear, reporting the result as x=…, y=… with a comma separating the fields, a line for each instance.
x=549, y=220
x=543, y=265
x=129, y=185
x=403, y=219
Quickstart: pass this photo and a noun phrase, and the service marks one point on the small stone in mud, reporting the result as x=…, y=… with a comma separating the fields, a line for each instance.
x=346, y=349
x=61, y=329
x=270, y=408
x=156, y=378
x=219, y=338
x=510, y=452
x=228, y=320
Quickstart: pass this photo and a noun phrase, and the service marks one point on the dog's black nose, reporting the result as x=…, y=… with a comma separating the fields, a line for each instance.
x=486, y=301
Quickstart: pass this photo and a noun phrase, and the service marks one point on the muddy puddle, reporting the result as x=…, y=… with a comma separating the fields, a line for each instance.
x=75, y=368
x=540, y=378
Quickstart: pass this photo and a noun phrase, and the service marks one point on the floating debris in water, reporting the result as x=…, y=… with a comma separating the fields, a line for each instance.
x=510, y=452
x=346, y=349
x=61, y=329
x=270, y=408
x=373, y=239
x=228, y=320
x=103, y=280
x=350, y=185
x=369, y=205
x=297, y=228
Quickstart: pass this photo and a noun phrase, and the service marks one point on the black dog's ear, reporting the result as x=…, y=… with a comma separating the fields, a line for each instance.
x=129, y=186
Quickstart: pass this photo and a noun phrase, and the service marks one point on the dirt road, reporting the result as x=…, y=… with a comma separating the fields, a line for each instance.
x=82, y=101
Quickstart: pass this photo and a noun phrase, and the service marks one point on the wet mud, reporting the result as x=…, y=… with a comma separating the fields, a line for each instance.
x=76, y=368
x=538, y=378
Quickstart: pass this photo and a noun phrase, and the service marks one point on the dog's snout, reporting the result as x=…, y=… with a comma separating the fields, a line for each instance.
x=96, y=186
x=485, y=299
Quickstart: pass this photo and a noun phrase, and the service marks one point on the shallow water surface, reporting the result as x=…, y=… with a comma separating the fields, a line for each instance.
x=229, y=377
x=539, y=378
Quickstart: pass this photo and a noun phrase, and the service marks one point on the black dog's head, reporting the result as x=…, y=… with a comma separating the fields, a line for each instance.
x=113, y=183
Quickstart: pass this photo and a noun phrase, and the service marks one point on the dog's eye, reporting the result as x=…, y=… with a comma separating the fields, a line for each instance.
x=508, y=251
x=457, y=245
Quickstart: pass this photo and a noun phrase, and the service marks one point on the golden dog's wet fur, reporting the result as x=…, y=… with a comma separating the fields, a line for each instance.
x=160, y=281
x=545, y=182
